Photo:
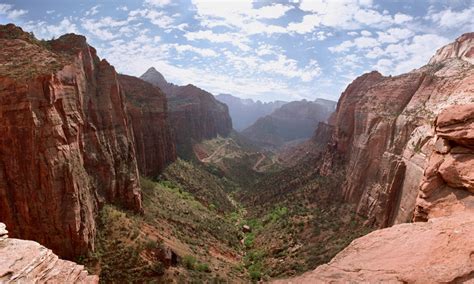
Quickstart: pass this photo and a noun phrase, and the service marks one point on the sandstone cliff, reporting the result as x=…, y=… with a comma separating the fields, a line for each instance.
x=383, y=131
x=65, y=141
x=194, y=114
x=405, y=146
x=148, y=113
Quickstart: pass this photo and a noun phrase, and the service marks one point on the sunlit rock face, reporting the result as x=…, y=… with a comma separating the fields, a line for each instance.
x=386, y=129
x=66, y=145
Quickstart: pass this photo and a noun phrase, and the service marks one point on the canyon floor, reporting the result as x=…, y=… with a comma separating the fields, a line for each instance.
x=228, y=218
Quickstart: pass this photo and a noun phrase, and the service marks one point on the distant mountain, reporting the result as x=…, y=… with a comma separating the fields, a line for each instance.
x=244, y=112
x=194, y=114
x=292, y=121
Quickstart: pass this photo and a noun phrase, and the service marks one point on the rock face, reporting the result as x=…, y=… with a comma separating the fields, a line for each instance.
x=194, y=113
x=448, y=182
x=438, y=251
x=383, y=135
x=28, y=262
x=293, y=121
x=65, y=141
x=148, y=113
x=244, y=112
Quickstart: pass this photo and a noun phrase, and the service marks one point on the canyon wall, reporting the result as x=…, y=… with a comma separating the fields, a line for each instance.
x=148, y=113
x=66, y=144
x=384, y=132
x=405, y=145
x=194, y=114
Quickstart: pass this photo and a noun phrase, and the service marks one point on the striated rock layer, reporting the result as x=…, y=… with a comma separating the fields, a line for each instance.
x=28, y=262
x=65, y=141
x=383, y=133
x=194, y=114
x=148, y=112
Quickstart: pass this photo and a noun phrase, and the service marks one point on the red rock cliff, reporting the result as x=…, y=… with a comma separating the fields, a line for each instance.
x=384, y=129
x=148, y=112
x=65, y=141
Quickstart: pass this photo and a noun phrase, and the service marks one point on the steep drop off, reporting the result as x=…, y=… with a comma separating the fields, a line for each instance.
x=194, y=113
x=66, y=143
x=404, y=146
x=383, y=134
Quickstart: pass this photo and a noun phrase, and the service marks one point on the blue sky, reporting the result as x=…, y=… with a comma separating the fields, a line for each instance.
x=268, y=50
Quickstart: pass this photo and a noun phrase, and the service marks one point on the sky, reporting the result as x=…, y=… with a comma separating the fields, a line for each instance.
x=267, y=50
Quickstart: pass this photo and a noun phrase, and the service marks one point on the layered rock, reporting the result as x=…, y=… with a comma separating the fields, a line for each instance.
x=293, y=121
x=65, y=141
x=438, y=251
x=383, y=132
x=148, y=113
x=448, y=182
x=194, y=113
x=28, y=262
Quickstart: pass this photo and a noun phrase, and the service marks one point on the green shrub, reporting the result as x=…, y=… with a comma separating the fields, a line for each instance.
x=189, y=262
x=203, y=267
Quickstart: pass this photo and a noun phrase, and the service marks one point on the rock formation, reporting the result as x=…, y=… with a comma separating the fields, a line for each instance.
x=405, y=145
x=244, y=112
x=383, y=134
x=194, y=113
x=28, y=262
x=438, y=251
x=65, y=141
x=148, y=113
x=293, y=121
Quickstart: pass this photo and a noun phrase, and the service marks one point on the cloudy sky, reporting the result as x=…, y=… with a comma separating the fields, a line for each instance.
x=267, y=50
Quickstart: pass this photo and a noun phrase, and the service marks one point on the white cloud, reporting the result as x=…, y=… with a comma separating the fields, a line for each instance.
x=45, y=30
x=307, y=25
x=365, y=33
x=158, y=3
x=158, y=18
x=394, y=35
x=10, y=13
x=103, y=28
x=94, y=10
x=400, y=18
x=205, y=52
x=454, y=19
x=231, y=38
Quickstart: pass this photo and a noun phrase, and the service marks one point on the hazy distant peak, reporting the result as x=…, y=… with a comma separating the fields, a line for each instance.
x=152, y=75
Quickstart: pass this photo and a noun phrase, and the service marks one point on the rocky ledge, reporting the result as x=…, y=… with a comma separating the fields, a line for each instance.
x=29, y=262
x=438, y=251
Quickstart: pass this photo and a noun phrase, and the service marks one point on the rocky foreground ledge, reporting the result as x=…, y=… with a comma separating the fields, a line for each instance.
x=438, y=251
x=24, y=261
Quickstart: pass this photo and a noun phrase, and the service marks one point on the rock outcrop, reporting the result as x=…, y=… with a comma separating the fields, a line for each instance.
x=383, y=133
x=65, y=141
x=194, y=114
x=438, y=251
x=28, y=262
x=148, y=113
x=448, y=182
x=293, y=121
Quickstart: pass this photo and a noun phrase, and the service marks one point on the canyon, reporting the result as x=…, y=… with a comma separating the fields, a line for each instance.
x=142, y=180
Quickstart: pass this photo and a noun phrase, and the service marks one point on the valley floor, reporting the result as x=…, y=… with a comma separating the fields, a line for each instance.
x=233, y=214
